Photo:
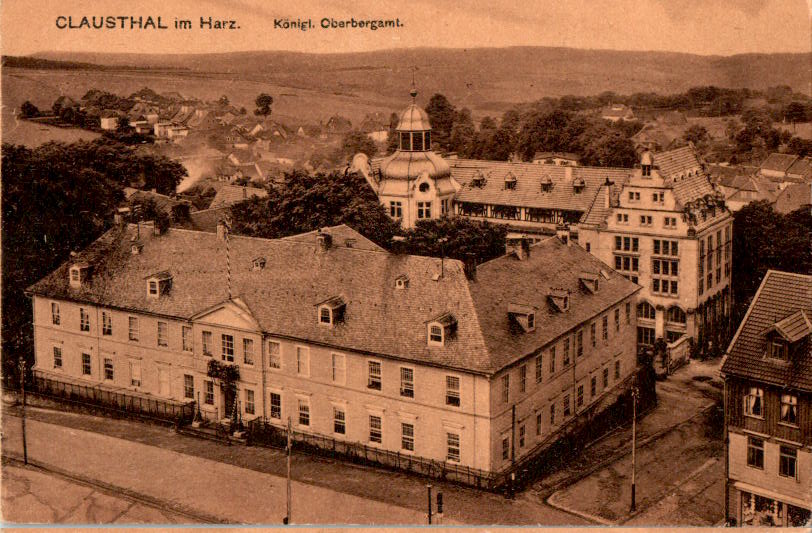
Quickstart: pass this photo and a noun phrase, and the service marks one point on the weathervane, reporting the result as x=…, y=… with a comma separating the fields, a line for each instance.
x=414, y=88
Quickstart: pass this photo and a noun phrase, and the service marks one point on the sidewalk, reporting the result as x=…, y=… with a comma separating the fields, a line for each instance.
x=230, y=493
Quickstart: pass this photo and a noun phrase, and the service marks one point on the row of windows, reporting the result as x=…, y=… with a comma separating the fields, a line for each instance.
x=787, y=457
x=647, y=220
x=108, y=369
x=754, y=406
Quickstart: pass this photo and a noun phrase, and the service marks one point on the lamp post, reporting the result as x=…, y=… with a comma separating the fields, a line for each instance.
x=635, y=393
x=428, y=488
x=22, y=390
x=287, y=516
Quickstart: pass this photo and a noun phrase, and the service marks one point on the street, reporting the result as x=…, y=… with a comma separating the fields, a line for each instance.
x=205, y=481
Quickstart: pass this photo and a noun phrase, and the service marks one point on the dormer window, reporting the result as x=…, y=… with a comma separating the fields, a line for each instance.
x=79, y=273
x=559, y=299
x=258, y=263
x=478, y=180
x=510, y=182
x=331, y=312
x=590, y=281
x=523, y=315
x=778, y=350
x=401, y=282
x=441, y=329
x=646, y=171
x=159, y=284
x=578, y=185
x=546, y=183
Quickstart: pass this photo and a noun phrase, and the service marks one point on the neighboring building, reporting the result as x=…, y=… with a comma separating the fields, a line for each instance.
x=414, y=183
x=338, y=124
x=228, y=195
x=777, y=168
x=768, y=407
x=652, y=138
x=615, y=112
x=470, y=366
x=793, y=197
x=108, y=120
x=556, y=158
x=800, y=171
x=741, y=189
x=670, y=232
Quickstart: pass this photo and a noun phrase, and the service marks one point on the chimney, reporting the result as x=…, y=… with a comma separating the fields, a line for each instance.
x=469, y=266
x=608, y=184
x=221, y=230
x=568, y=173
x=519, y=246
x=244, y=192
x=324, y=239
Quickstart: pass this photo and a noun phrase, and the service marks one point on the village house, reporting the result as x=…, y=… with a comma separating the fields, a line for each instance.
x=768, y=407
x=794, y=197
x=475, y=367
x=228, y=195
x=786, y=168
x=615, y=112
x=556, y=158
x=108, y=120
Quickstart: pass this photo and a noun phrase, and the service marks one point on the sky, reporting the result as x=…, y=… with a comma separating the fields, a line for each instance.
x=707, y=27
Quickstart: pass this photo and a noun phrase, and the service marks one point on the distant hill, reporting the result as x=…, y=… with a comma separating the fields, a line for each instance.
x=40, y=63
x=488, y=75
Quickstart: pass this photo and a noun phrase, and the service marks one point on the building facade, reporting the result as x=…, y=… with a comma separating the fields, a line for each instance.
x=475, y=367
x=670, y=232
x=768, y=407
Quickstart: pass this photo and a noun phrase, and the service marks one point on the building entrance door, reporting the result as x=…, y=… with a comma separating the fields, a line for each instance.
x=229, y=395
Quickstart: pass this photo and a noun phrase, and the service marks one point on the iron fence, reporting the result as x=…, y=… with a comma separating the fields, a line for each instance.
x=111, y=401
x=262, y=433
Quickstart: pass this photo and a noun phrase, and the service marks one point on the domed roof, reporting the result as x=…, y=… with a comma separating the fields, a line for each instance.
x=413, y=118
x=411, y=165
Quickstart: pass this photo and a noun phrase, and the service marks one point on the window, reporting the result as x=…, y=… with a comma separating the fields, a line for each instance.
x=617, y=370
x=209, y=392
x=55, y=317
x=579, y=343
x=303, y=361
x=523, y=378
x=274, y=354
x=453, y=447
x=605, y=327
x=339, y=373
x=505, y=448
x=617, y=319
x=324, y=316
x=423, y=209
x=505, y=388
x=538, y=424
x=405, y=141
x=396, y=209
x=670, y=222
x=304, y=412
x=436, y=334
x=645, y=220
x=605, y=378
x=539, y=368
x=755, y=452
x=634, y=196
x=452, y=391
x=107, y=323
x=663, y=247
x=153, y=288
x=248, y=351
x=521, y=436
x=658, y=197
x=566, y=404
x=552, y=414
x=676, y=315
x=787, y=461
x=778, y=350
x=566, y=355
x=207, y=343
x=407, y=382
x=580, y=396
x=133, y=328
x=622, y=218
x=789, y=409
x=188, y=387
x=646, y=310
x=592, y=335
x=754, y=402
x=552, y=360
x=645, y=336
x=375, y=429
x=276, y=405
x=57, y=357
x=135, y=374
x=86, y=364
x=628, y=313
x=339, y=421
x=108, y=369
x=374, y=375
x=227, y=343
x=593, y=386
x=162, y=341
x=186, y=336
x=406, y=436
x=84, y=320
x=249, y=402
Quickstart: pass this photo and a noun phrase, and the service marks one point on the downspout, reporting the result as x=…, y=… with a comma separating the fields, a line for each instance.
x=727, y=458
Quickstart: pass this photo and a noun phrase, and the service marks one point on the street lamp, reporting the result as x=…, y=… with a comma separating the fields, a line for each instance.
x=635, y=393
x=22, y=390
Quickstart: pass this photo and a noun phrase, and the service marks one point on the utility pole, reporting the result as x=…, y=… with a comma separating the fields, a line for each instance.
x=22, y=389
x=290, y=443
x=634, y=441
x=428, y=488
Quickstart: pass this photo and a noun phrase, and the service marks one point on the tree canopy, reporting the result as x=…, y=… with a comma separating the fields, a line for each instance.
x=264, y=102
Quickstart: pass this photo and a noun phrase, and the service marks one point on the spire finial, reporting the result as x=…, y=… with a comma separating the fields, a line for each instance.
x=413, y=92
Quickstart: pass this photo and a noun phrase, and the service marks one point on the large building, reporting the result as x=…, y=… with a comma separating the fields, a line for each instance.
x=768, y=406
x=670, y=232
x=473, y=366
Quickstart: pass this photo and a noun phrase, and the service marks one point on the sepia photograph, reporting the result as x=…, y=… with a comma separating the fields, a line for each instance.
x=469, y=264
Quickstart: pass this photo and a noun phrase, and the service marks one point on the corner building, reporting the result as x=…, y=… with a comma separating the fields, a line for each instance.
x=475, y=367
